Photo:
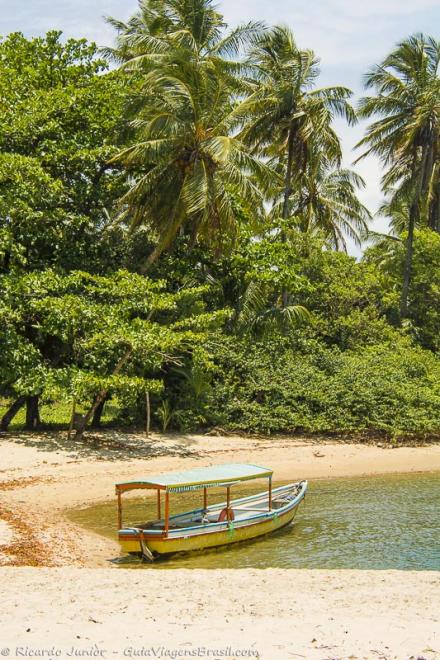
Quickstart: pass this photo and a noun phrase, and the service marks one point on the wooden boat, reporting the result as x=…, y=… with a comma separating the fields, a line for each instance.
x=220, y=524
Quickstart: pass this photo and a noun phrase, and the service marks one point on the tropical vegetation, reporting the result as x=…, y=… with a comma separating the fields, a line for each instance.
x=175, y=215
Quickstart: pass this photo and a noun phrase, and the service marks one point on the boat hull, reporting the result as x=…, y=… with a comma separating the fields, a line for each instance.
x=228, y=534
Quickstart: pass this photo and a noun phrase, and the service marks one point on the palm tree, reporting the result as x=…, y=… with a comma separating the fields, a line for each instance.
x=287, y=116
x=407, y=134
x=326, y=203
x=190, y=163
x=287, y=119
x=261, y=311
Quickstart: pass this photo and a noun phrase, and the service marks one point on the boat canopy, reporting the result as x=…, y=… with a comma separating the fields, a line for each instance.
x=217, y=475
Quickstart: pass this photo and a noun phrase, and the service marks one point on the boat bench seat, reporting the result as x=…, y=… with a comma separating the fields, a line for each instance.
x=211, y=517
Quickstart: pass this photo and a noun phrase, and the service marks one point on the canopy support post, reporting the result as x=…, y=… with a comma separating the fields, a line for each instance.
x=228, y=502
x=205, y=499
x=158, y=503
x=167, y=512
x=270, y=493
x=119, y=510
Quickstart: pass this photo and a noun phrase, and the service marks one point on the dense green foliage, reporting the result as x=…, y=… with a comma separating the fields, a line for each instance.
x=173, y=222
x=60, y=123
x=309, y=387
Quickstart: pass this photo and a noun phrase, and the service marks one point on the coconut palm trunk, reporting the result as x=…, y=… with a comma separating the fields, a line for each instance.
x=414, y=214
x=288, y=177
x=286, y=196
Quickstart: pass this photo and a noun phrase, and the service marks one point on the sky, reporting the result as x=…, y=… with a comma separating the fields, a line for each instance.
x=348, y=35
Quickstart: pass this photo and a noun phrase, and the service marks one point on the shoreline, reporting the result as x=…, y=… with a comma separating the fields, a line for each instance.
x=41, y=477
x=75, y=599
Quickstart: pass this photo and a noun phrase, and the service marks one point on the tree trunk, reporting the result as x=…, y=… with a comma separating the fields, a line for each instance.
x=434, y=211
x=429, y=188
x=6, y=261
x=72, y=420
x=101, y=397
x=11, y=412
x=437, y=211
x=408, y=261
x=162, y=246
x=96, y=420
x=414, y=212
x=32, y=412
x=148, y=414
x=286, y=195
x=288, y=176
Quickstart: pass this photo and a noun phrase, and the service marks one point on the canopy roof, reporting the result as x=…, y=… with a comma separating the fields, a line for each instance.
x=217, y=475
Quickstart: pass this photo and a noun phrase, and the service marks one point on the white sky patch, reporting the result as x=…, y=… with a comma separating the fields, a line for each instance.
x=77, y=18
x=381, y=7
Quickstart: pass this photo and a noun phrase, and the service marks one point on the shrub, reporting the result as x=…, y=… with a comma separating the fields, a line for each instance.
x=308, y=387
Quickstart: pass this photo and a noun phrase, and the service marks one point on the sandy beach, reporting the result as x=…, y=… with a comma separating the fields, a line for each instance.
x=75, y=597
x=275, y=614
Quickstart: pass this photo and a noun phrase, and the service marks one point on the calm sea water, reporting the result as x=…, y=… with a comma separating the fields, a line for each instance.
x=390, y=522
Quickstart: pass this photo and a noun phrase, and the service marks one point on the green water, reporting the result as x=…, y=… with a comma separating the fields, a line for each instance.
x=390, y=522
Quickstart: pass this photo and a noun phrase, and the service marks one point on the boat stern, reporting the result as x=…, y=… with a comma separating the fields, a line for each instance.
x=130, y=541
